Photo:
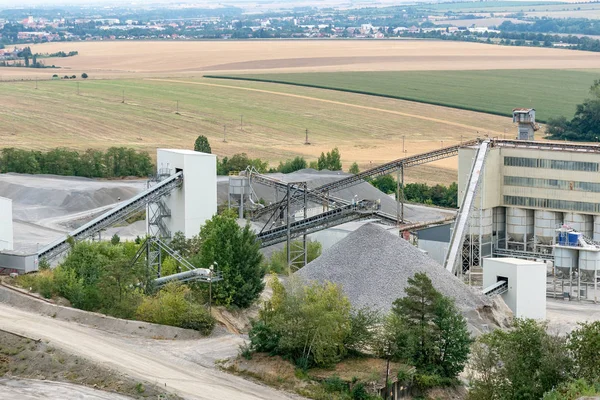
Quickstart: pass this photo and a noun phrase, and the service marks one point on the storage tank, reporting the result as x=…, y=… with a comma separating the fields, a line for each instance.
x=589, y=261
x=596, y=228
x=546, y=223
x=486, y=223
x=565, y=260
x=580, y=222
x=499, y=220
x=519, y=222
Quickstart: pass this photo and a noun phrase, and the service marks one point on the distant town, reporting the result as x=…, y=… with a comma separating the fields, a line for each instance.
x=38, y=25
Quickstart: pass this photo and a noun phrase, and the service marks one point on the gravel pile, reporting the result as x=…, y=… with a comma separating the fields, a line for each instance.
x=373, y=267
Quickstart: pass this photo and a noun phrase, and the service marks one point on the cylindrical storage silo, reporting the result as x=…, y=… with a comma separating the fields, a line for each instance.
x=546, y=223
x=485, y=220
x=565, y=260
x=589, y=261
x=580, y=222
x=596, y=227
x=519, y=222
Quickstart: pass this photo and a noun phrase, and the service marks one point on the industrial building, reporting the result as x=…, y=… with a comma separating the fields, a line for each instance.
x=529, y=196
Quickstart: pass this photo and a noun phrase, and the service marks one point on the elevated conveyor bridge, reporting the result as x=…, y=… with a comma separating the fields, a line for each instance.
x=109, y=218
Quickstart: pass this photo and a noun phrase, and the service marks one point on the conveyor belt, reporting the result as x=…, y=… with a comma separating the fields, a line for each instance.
x=462, y=219
x=119, y=213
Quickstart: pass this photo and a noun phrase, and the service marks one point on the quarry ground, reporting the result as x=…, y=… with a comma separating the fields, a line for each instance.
x=185, y=369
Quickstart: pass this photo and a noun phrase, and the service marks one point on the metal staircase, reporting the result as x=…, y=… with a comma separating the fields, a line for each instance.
x=117, y=214
x=454, y=255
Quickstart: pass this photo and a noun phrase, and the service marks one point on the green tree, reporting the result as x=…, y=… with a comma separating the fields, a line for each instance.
x=584, y=344
x=418, y=309
x=289, y=166
x=585, y=125
x=84, y=75
x=115, y=239
x=522, y=363
x=201, y=144
x=330, y=161
x=385, y=183
x=321, y=310
x=354, y=168
x=237, y=254
x=432, y=333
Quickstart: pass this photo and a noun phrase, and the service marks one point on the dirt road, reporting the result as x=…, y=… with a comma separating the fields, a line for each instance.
x=190, y=380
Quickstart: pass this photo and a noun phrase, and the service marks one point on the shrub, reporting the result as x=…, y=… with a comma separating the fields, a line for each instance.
x=334, y=384
x=84, y=75
x=172, y=306
x=115, y=239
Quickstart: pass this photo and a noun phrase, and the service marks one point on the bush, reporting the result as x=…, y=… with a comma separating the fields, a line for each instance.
x=334, y=384
x=307, y=324
x=290, y=166
x=172, y=306
x=84, y=75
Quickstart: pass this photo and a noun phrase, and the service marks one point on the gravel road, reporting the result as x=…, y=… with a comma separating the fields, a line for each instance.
x=140, y=359
x=29, y=389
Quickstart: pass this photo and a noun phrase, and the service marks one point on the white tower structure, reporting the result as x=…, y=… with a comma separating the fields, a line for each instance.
x=6, y=224
x=196, y=202
x=525, y=117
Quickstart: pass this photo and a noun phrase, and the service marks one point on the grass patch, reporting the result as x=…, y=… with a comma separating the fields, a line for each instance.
x=551, y=92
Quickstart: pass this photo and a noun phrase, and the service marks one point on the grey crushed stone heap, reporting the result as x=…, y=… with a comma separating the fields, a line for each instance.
x=373, y=266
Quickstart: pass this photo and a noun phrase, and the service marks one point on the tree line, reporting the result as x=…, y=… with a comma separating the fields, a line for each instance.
x=584, y=125
x=438, y=195
x=112, y=163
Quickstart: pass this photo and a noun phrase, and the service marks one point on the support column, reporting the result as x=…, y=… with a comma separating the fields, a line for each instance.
x=305, y=250
x=288, y=223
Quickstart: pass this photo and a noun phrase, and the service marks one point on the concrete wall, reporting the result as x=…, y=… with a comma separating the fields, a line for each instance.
x=526, y=295
x=6, y=224
x=196, y=201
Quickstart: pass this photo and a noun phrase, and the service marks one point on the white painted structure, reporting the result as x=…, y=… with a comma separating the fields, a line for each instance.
x=6, y=224
x=526, y=294
x=196, y=202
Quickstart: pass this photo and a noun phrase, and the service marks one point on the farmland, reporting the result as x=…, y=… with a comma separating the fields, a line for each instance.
x=551, y=92
x=168, y=59
x=273, y=118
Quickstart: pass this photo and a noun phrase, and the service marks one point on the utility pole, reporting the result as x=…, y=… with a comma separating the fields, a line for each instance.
x=177, y=112
x=306, y=140
x=403, y=151
x=224, y=133
x=77, y=88
x=35, y=83
x=123, y=101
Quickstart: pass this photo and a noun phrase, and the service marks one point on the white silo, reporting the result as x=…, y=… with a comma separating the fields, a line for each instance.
x=565, y=261
x=589, y=263
x=546, y=223
x=596, y=227
x=519, y=224
x=580, y=222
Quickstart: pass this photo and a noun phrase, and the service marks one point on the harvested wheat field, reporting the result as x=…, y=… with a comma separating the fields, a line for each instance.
x=366, y=129
x=144, y=59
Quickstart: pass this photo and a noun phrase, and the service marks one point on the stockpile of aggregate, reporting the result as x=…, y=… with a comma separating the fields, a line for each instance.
x=373, y=267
